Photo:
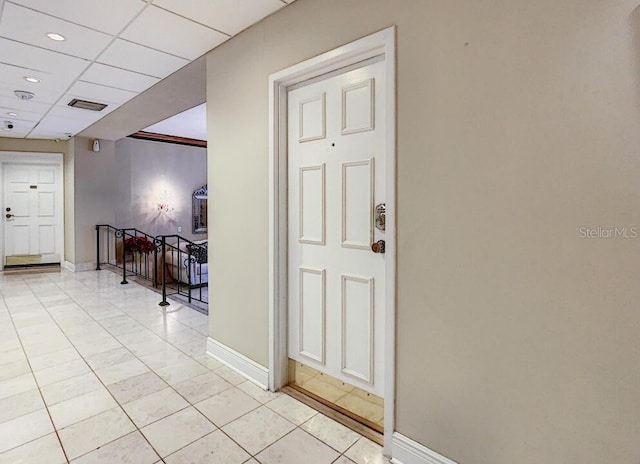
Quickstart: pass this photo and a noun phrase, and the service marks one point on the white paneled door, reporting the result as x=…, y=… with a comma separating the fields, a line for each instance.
x=32, y=213
x=336, y=175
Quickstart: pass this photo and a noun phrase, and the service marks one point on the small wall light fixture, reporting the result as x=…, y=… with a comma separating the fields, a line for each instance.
x=164, y=203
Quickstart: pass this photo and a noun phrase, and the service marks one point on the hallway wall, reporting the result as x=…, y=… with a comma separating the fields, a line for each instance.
x=518, y=128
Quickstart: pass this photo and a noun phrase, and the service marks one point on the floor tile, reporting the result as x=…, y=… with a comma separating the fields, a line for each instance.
x=227, y=406
x=92, y=347
x=297, y=447
x=122, y=371
x=70, y=388
x=215, y=447
x=20, y=404
x=24, y=429
x=149, y=347
x=202, y=387
x=208, y=361
x=53, y=359
x=365, y=452
x=130, y=449
x=184, y=370
x=46, y=449
x=80, y=331
x=178, y=430
x=108, y=358
x=155, y=406
x=343, y=460
x=89, y=434
x=11, y=355
x=258, y=429
x=14, y=369
x=258, y=393
x=61, y=371
x=81, y=407
x=17, y=385
x=331, y=432
x=292, y=409
x=136, y=387
x=230, y=375
x=164, y=358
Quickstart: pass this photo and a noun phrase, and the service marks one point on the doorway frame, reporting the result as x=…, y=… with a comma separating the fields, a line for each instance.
x=382, y=43
x=55, y=159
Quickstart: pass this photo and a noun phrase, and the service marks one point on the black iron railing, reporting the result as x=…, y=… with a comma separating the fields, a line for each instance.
x=172, y=263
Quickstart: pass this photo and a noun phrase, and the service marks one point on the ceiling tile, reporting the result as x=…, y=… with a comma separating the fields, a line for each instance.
x=115, y=77
x=228, y=16
x=37, y=59
x=8, y=100
x=15, y=134
x=141, y=59
x=173, y=34
x=63, y=111
x=20, y=128
x=22, y=115
x=100, y=93
x=25, y=25
x=12, y=77
x=55, y=126
x=109, y=16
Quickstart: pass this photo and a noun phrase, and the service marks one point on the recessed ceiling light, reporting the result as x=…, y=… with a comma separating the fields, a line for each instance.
x=55, y=36
x=11, y=113
x=33, y=80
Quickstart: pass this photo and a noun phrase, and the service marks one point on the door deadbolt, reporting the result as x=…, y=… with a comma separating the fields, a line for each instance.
x=381, y=210
x=7, y=209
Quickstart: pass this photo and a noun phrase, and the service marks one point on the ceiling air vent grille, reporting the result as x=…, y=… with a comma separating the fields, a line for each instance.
x=86, y=105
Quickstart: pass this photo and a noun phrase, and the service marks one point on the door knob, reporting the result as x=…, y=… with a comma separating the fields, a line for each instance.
x=8, y=215
x=378, y=247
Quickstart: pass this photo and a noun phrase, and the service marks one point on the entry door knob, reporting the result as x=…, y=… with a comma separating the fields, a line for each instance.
x=8, y=215
x=378, y=247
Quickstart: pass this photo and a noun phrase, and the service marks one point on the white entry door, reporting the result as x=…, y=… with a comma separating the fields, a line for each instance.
x=336, y=151
x=32, y=214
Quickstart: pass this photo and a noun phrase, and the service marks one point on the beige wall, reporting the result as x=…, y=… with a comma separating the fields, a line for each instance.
x=50, y=146
x=518, y=340
x=94, y=194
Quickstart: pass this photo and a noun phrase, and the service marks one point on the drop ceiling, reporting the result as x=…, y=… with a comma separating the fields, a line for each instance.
x=115, y=50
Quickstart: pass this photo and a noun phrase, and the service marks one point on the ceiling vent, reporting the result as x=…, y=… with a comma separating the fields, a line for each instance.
x=24, y=95
x=86, y=105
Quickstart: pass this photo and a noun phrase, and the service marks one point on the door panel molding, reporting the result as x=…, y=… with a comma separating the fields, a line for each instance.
x=380, y=44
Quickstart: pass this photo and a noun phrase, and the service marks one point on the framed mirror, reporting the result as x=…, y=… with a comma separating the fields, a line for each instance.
x=199, y=210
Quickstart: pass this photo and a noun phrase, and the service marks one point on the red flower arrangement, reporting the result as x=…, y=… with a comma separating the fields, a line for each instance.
x=138, y=245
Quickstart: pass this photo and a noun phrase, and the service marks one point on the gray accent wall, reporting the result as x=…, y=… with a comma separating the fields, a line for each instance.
x=143, y=171
x=518, y=125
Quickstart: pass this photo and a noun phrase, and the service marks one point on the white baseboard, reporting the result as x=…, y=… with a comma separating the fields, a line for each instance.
x=244, y=366
x=69, y=266
x=80, y=267
x=407, y=451
x=90, y=266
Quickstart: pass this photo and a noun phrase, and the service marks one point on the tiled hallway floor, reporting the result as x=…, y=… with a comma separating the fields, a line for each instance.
x=92, y=371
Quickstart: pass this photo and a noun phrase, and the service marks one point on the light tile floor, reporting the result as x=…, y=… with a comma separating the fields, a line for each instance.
x=92, y=372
